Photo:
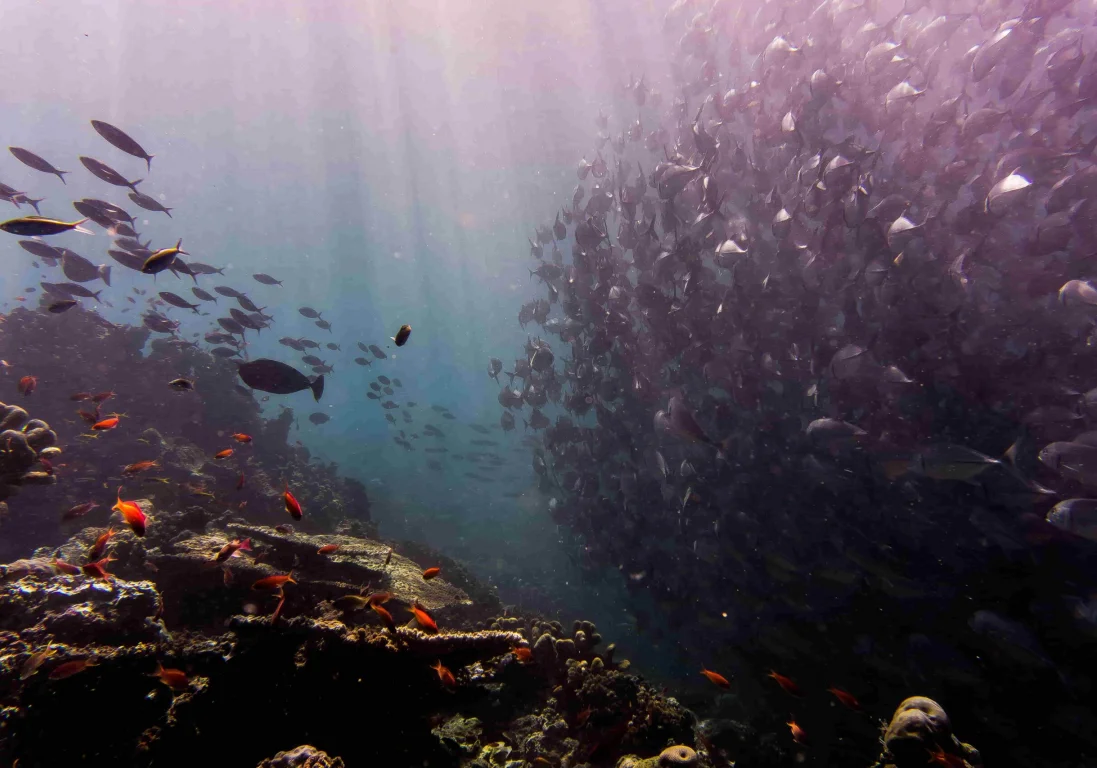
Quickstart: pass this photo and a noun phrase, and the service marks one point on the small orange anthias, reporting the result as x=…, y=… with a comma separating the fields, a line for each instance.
x=139, y=466
x=273, y=582
x=27, y=384
x=223, y=454
x=383, y=615
x=292, y=505
x=430, y=573
x=132, y=514
x=444, y=675
x=327, y=549
x=848, y=699
x=716, y=677
x=240, y=437
x=798, y=734
x=105, y=424
x=426, y=621
x=100, y=545
x=941, y=757
x=786, y=684
x=523, y=654
x=231, y=548
x=172, y=678
x=98, y=569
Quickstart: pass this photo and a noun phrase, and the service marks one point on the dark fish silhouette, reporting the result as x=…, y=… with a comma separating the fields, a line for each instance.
x=178, y=301
x=278, y=378
x=149, y=203
x=103, y=171
x=266, y=279
x=122, y=141
x=28, y=158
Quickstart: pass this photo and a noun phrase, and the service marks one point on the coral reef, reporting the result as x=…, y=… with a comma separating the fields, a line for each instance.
x=24, y=443
x=920, y=732
x=180, y=431
x=304, y=756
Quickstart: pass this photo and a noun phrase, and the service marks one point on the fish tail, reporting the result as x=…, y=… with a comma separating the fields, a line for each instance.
x=148, y=162
x=61, y=175
x=317, y=387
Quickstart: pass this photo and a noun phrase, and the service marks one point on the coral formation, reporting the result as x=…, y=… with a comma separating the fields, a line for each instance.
x=920, y=730
x=304, y=756
x=24, y=443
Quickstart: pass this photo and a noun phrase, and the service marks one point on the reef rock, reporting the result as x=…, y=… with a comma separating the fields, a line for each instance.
x=920, y=730
x=304, y=756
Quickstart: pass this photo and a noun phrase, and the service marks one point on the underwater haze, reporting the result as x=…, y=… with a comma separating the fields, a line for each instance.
x=623, y=384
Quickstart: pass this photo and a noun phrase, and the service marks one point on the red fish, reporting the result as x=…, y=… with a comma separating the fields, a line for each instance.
x=716, y=677
x=278, y=610
x=100, y=545
x=89, y=417
x=139, y=466
x=240, y=481
x=105, y=424
x=426, y=621
x=786, y=684
x=273, y=582
x=292, y=505
x=798, y=734
x=70, y=668
x=231, y=548
x=327, y=549
x=380, y=598
x=941, y=757
x=430, y=573
x=444, y=675
x=66, y=568
x=175, y=679
x=132, y=514
x=79, y=510
x=80, y=396
x=384, y=615
x=101, y=396
x=523, y=654
x=223, y=454
x=27, y=384
x=846, y=698
x=240, y=437
x=98, y=569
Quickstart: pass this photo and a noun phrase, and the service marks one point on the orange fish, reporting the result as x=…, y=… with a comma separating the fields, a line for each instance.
x=444, y=675
x=101, y=396
x=430, y=573
x=140, y=466
x=66, y=568
x=132, y=514
x=172, y=678
x=240, y=437
x=786, y=684
x=523, y=654
x=105, y=424
x=273, y=582
x=941, y=757
x=70, y=668
x=278, y=610
x=384, y=615
x=230, y=549
x=240, y=482
x=79, y=396
x=425, y=620
x=582, y=717
x=223, y=454
x=100, y=545
x=98, y=569
x=716, y=677
x=798, y=734
x=292, y=505
x=380, y=598
x=27, y=384
x=846, y=698
x=327, y=549
x=90, y=418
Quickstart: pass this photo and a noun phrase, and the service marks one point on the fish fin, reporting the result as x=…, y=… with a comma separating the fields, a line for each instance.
x=317, y=387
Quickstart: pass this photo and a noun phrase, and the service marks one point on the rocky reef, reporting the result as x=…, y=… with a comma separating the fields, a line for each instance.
x=87, y=368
